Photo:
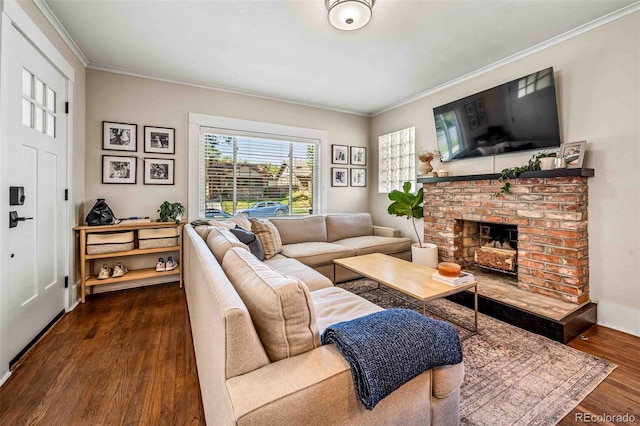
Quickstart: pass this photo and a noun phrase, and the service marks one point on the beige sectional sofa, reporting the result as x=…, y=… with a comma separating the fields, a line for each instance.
x=319, y=239
x=256, y=328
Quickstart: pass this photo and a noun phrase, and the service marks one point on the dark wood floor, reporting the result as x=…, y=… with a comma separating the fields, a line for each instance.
x=127, y=358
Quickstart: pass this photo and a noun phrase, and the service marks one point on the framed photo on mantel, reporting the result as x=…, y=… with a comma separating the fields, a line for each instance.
x=573, y=153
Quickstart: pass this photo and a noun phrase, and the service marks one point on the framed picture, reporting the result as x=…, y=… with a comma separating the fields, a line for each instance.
x=116, y=169
x=158, y=171
x=160, y=140
x=358, y=177
x=473, y=123
x=358, y=156
x=574, y=153
x=482, y=119
x=339, y=154
x=119, y=136
x=339, y=176
x=479, y=105
x=470, y=109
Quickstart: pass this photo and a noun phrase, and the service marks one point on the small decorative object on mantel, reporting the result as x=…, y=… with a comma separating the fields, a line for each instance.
x=170, y=212
x=514, y=172
x=546, y=159
x=425, y=158
x=443, y=173
x=573, y=153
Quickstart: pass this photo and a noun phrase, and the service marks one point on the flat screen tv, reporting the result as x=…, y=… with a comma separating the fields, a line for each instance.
x=516, y=116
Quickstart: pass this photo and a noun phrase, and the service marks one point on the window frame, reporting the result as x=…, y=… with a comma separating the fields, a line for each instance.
x=199, y=121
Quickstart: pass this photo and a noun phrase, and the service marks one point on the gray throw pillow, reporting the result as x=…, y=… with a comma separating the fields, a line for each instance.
x=251, y=240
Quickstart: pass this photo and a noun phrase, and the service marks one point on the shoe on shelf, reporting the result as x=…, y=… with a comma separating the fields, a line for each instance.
x=105, y=272
x=161, y=266
x=119, y=270
x=171, y=264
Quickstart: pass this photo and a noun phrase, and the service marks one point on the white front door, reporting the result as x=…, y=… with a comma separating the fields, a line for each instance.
x=34, y=158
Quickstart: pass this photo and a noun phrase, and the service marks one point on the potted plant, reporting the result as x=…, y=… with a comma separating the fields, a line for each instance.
x=170, y=212
x=409, y=205
x=546, y=159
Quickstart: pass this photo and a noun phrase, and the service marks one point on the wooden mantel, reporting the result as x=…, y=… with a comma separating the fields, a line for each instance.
x=524, y=175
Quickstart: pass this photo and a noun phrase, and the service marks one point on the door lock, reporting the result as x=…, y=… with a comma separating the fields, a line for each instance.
x=14, y=219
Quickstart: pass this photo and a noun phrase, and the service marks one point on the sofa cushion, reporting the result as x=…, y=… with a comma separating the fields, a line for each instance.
x=280, y=306
x=312, y=278
x=314, y=254
x=220, y=240
x=333, y=305
x=203, y=231
x=269, y=237
x=301, y=229
x=347, y=225
x=374, y=244
x=251, y=240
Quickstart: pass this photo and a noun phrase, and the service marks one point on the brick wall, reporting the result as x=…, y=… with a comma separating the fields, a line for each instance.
x=551, y=215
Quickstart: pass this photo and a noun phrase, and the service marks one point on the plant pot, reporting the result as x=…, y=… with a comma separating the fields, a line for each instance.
x=546, y=163
x=425, y=255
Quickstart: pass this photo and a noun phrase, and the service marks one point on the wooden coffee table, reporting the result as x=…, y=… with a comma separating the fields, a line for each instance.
x=409, y=278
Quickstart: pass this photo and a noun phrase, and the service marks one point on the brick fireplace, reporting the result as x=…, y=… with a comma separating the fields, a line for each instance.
x=549, y=210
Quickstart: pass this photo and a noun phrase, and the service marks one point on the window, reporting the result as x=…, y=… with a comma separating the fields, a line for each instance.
x=397, y=160
x=38, y=105
x=257, y=175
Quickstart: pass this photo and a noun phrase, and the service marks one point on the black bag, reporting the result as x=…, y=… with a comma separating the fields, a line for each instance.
x=100, y=214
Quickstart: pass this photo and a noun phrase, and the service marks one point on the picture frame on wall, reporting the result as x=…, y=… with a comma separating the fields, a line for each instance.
x=119, y=169
x=339, y=154
x=119, y=136
x=573, y=153
x=358, y=156
x=358, y=177
x=159, y=140
x=159, y=171
x=470, y=109
x=339, y=176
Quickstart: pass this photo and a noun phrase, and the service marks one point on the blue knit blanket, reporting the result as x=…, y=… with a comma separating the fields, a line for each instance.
x=388, y=348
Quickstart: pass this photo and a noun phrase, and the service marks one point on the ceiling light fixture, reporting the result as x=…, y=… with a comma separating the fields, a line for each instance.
x=349, y=15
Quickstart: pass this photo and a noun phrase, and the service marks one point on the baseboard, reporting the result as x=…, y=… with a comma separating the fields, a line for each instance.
x=618, y=317
x=5, y=377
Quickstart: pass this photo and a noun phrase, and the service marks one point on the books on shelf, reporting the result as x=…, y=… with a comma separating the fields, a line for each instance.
x=464, y=278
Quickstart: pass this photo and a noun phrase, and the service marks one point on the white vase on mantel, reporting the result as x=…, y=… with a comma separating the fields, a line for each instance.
x=546, y=163
x=425, y=254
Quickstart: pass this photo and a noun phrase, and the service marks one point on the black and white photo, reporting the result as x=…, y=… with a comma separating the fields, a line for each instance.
x=339, y=176
x=119, y=136
x=358, y=177
x=358, y=156
x=339, y=154
x=160, y=140
x=159, y=171
x=116, y=169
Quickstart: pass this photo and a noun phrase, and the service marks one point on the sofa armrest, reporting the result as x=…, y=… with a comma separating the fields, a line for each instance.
x=385, y=231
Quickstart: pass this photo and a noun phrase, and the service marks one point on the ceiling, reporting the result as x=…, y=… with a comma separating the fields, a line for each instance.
x=287, y=49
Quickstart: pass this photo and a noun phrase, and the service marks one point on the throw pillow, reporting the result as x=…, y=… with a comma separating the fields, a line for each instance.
x=251, y=240
x=220, y=240
x=281, y=307
x=240, y=220
x=269, y=237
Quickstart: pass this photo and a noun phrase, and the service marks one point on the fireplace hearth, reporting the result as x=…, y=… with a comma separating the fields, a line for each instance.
x=546, y=213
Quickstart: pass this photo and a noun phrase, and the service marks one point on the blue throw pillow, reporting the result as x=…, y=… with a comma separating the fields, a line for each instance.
x=251, y=240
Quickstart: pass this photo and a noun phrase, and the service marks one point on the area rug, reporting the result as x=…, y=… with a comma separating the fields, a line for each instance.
x=513, y=377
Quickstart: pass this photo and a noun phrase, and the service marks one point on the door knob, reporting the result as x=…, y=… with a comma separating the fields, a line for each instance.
x=14, y=219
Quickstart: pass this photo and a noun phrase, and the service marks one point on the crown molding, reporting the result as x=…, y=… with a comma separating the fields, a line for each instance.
x=62, y=32
x=202, y=85
x=628, y=10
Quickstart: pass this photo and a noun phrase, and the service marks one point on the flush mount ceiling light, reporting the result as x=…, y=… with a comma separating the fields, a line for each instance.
x=349, y=15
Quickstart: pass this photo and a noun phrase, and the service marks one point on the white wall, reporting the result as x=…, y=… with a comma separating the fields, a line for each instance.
x=598, y=82
x=141, y=101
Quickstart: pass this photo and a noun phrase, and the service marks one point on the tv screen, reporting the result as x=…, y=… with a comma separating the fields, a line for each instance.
x=515, y=116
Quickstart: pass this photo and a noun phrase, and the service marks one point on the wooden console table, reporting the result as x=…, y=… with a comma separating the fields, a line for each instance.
x=88, y=280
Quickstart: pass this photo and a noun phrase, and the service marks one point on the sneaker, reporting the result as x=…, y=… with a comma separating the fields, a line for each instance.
x=105, y=272
x=171, y=264
x=119, y=270
x=161, y=266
